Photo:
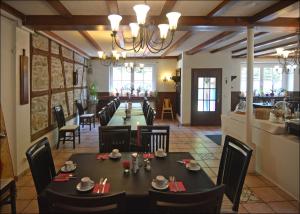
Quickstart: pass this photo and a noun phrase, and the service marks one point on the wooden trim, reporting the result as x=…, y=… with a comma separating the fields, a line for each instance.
x=271, y=10
x=177, y=44
x=212, y=41
x=60, y=8
x=257, y=35
x=91, y=40
x=50, y=83
x=269, y=42
x=221, y=8
x=12, y=10
x=112, y=6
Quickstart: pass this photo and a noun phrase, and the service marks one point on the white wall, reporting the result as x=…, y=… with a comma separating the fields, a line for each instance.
x=99, y=74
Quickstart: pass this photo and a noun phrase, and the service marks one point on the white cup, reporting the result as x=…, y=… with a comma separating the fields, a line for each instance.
x=160, y=152
x=115, y=152
x=160, y=180
x=69, y=165
x=85, y=182
x=193, y=163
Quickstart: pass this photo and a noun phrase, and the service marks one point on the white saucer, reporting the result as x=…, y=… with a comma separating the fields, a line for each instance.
x=197, y=168
x=154, y=185
x=116, y=156
x=160, y=156
x=63, y=169
x=88, y=188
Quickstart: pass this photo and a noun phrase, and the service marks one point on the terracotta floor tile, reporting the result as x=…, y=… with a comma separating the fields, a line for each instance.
x=25, y=181
x=20, y=206
x=212, y=163
x=283, y=194
x=267, y=194
x=32, y=208
x=258, y=208
x=26, y=193
x=296, y=204
x=254, y=181
x=242, y=209
x=283, y=207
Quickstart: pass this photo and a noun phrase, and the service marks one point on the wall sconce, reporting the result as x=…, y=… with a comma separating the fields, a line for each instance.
x=165, y=79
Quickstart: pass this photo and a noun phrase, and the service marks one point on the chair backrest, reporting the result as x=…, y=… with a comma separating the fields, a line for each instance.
x=154, y=137
x=59, y=203
x=80, y=108
x=114, y=137
x=150, y=116
x=102, y=117
x=167, y=103
x=146, y=107
x=41, y=164
x=111, y=108
x=59, y=115
x=233, y=168
x=209, y=201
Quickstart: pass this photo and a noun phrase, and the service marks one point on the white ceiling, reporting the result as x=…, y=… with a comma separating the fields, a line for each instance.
x=186, y=7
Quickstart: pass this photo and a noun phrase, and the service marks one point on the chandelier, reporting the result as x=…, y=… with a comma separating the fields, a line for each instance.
x=142, y=33
x=116, y=59
x=131, y=66
x=289, y=60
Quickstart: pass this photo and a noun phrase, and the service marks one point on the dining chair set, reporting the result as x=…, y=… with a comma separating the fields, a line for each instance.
x=108, y=111
x=148, y=111
x=231, y=175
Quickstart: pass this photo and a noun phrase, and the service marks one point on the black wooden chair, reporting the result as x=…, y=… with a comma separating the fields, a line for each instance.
x=154, y=137
x=233, y=169
x=146, y=107
x=42, y=168
x=8, y=193
x=102, y=117
x=59, y=203
x=209, y=201
x=107, y=113
x=114, y=137
x=85, y=118
x=63, y=129
x=150, y=116
x=111, y=108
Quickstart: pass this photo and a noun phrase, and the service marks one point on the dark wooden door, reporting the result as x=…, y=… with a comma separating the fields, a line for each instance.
x=206, y=105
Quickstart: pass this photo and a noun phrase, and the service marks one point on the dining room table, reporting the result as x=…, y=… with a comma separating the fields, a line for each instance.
x=135, y=185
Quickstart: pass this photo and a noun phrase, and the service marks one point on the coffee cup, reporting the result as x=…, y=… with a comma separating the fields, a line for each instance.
x=193, y=164
x=69, y=165
x=115, y=152
x=85, y=182
x=160, y=180
x=160, y=152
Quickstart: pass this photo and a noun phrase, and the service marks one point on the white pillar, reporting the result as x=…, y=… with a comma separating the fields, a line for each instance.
x=249, y=94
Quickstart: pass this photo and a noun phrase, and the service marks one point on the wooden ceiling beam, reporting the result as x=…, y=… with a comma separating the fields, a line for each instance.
x=221, y=8
x=271, y=10
x=63, y=41
x=90, y=39
x=268, y=49
x=60, y=8
x=12, y=11
x=244, y=40
x=212, y=41
x=269, y=42
x=177, y=44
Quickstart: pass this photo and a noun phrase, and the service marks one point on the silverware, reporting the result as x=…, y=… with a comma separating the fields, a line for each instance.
x=174, y=180
x=103, y=185
x=100, y=182
x=179, y=161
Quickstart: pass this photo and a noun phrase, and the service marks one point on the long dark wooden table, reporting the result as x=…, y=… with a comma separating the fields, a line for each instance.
x=136, y=185
x=137, y=117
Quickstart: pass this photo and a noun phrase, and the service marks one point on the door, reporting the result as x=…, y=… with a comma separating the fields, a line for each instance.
x=206, y=96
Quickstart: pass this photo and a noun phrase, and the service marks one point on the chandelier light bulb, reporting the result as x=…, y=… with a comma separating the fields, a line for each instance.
x=279, y=51
x=114, y=53
x=123, y=53
x=142, y=66
x=114, y=21
x=173, y=19
x=134, y=27
x=141, y=11
x=126, y=64
x=131, y=64
x=285, y=54
x=117, y=56
x=163, y=29
x=100, y=54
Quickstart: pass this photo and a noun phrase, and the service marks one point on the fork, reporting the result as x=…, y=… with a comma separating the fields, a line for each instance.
x=100, y=183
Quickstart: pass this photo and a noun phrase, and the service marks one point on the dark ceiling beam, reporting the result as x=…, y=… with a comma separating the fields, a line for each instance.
x=60, y=8
x=269, y=49
x=271, y=10
x=221, y=8
x=12, y=11
x=63, y=41
x=90, y=39
x=269, y=42
x=144, y=57
x=244, y=40
x=177, y=44
x=212, y=41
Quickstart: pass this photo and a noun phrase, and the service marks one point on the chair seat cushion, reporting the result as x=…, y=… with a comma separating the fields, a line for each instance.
x=69, y=127
x=86, y=115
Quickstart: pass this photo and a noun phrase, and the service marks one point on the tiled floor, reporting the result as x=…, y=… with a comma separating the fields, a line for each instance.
x=259, y=195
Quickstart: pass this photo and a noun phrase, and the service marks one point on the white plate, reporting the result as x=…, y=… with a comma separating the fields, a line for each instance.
x=197, y=168
x=154, y=185
x=88, y=188
x=160, y=156
x=63, y=169
x=116, y=156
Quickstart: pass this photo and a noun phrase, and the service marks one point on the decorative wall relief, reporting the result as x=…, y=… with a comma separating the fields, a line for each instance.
x=50, y=59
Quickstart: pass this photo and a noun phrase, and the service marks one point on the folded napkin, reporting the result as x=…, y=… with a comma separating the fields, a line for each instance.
x=102, y=156
x=186, y=161
x=172, y=186
x=62, y=177
x=148, y=155
x=98, y=186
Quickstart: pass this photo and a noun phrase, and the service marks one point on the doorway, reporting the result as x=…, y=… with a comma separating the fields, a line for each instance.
x=206, y=104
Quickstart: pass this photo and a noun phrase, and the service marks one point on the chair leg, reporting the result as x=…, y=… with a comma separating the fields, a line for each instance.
x=13, y=198
x=172, y=114
x=162, y=114
x=82, y=122
x=79, y=135
x=94, y=121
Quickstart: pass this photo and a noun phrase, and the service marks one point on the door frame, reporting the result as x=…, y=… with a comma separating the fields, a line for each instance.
x=219, y=92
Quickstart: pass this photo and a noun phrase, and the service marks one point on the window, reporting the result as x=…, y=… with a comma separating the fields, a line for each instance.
x=267, y=78
x=206, y=94
x=124, y=80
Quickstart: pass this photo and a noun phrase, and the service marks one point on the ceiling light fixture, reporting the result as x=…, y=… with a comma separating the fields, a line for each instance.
x=289, y=60
x=115, y=59
x=141, y=32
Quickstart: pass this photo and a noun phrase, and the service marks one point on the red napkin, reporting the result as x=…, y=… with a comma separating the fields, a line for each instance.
x=186, y=161
x=102, y=156
x=62, y=177
x=98, y=186
x=148, y=155
x=180, y=186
